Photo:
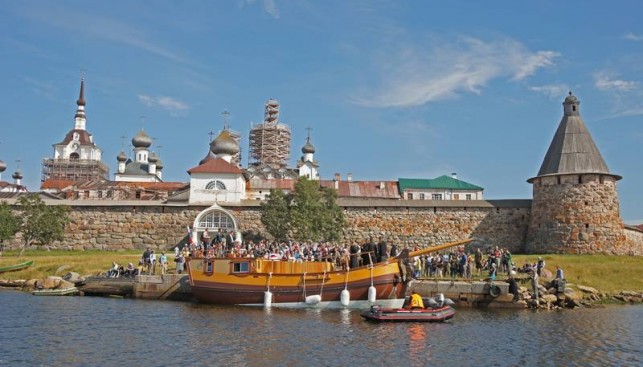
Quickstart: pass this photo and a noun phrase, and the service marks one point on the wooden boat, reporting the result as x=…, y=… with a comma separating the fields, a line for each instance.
x=56, y=292
x=21, y=266
x=266, y=282
x=430, y=314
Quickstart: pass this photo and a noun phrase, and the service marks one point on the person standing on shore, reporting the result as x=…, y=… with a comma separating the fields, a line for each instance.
x=152, y=264
x=163, y=263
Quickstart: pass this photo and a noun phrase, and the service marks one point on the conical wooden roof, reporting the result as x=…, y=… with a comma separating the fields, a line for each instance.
x=572, y=150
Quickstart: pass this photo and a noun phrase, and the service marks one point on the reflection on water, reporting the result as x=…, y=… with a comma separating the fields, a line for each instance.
x=82, y=331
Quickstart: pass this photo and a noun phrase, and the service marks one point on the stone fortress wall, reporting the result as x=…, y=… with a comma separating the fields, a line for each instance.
x=503, y=223
x=162, y=227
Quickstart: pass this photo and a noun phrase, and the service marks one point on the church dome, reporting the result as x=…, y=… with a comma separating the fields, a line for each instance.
x=17, y=175
x=153, y=158
x=224, y=144
x=159, y=164
x=3, y=166
x=308, y=148
x=141, y=140
x=121, y=157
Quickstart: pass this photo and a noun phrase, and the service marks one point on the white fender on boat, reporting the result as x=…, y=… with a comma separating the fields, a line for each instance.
x=372, y=294
x=345, y=298
x=313, y=300
x=267, y=299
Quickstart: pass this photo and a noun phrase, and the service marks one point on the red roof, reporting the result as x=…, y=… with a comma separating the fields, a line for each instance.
x=217, y=165
x=267, y=184
x=364, y=189
x=56, y=184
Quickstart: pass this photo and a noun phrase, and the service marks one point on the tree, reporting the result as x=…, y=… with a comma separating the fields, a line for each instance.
x=9, y=224
x=41, y=224
x=275, y=215
x=308, y=213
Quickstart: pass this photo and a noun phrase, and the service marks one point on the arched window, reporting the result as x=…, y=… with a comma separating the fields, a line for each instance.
x=74, y=155
x=215, y=185
x=216, y=219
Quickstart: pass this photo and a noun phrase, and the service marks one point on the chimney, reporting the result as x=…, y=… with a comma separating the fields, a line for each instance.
x=349, y=177
x=454, y=175
x=338, y=177
x=382, y=185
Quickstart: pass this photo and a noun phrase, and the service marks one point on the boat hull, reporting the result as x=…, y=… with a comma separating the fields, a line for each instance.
x=294, y=288
x=17, y=267
x=439, y=314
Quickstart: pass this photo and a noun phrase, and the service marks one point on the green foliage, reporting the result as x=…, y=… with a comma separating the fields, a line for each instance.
x=308, y=213
x=275, y=215
x=9, y=223
x=41, y=224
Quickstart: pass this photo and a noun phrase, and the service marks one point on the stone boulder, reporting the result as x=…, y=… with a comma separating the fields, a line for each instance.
x=51, y=282
x=585, y=289
x=73, y=277
x=550, y=298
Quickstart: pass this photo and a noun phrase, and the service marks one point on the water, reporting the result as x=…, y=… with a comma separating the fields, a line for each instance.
x=90, y=331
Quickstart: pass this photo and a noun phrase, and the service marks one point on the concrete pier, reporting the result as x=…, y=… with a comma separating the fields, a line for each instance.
x=467, y=294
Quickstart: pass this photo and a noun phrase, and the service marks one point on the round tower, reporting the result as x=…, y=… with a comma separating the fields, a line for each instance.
x=575, y=207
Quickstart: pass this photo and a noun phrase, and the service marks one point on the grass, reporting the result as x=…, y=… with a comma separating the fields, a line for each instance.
x=605, y=273
x=60, y=262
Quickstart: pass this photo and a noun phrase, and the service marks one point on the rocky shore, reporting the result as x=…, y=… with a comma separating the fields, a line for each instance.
x=574, y=296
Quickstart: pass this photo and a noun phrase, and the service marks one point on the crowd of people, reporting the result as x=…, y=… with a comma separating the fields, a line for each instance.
x=455, y=263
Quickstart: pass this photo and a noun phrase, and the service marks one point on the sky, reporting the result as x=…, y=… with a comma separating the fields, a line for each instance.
x=390, y=89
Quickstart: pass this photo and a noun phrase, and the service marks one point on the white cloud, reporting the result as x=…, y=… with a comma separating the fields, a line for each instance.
x=606, y=81
x=633, y=37
x=101, y=27
x=269, y=6
x=421, y=74
x=551, y=90
x=164, y=102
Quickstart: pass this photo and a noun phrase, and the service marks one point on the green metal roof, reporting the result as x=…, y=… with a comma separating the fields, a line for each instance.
x=442, y=182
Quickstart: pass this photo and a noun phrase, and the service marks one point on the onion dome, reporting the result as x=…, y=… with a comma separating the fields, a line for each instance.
x=209, y=156
x=17, y=175
x=3, y=166
x=121, y=157
x=308, y=148
x=224, y=144
x=153, y=158
x=159, y=164
x=141, y=140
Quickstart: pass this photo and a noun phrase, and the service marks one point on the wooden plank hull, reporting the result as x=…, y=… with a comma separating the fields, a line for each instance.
x=294, y=289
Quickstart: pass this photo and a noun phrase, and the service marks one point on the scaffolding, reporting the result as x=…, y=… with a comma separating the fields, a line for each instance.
x=73, y=169
x=270, y=140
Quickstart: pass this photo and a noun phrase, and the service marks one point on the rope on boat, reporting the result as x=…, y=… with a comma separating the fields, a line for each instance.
x=304, y=285
x=321, y=291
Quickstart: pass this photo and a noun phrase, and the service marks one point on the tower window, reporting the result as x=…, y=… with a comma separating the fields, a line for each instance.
x=587, y=225
x=573, y=108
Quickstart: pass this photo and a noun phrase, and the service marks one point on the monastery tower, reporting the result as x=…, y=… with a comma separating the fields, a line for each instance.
x=575, y=206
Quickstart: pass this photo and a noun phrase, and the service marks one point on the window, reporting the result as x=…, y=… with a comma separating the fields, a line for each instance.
x=468, y=196
x=409, y=196
x=456, y=196
x=100, y=194
x=138, y=194
x=243, y=267
x=436, y=197
x=422, y=196
x=215, y=185
x=216, y=219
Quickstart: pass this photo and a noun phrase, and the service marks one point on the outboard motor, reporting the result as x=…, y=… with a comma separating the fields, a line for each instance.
x=440, y=300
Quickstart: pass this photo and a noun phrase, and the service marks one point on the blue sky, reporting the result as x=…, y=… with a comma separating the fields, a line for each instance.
x=390, y=88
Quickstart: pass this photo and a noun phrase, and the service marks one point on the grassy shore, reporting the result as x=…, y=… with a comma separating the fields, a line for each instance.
x=605, y=273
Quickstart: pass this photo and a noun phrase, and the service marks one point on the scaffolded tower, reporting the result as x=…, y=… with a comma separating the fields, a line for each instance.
x=270, y=140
